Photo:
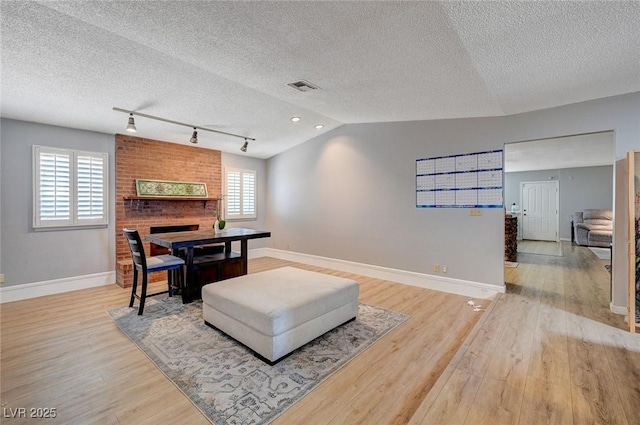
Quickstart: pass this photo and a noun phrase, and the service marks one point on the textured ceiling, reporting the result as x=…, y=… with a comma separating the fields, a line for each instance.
x=584, y=150
x=225, y=65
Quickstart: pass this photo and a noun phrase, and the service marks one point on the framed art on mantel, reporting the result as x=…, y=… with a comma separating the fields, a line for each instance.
x=170, y=189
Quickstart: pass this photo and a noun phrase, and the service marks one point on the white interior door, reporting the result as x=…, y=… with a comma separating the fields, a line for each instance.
x=539, y=202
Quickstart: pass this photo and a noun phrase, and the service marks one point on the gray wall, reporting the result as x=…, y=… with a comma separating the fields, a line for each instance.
x=260, y=223
x=69, y=253
x=580, y=188
x=29, y=256
x=349, y=193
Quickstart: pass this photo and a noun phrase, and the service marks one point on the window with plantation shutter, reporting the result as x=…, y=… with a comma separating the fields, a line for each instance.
x=240, y=197
x=70, y=188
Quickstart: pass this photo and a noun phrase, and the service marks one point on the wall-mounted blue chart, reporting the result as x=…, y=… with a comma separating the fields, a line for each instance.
x=472, y=180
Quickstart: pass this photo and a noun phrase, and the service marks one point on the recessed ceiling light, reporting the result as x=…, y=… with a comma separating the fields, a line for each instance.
x=319, y=126
x=295, y=119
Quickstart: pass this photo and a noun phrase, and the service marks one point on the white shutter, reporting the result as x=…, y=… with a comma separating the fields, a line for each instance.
x=91, y=202
x=233, y=194
x=54, y=197
x=249, y=194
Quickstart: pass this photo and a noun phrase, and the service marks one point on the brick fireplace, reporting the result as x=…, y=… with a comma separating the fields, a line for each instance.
x=139, y=158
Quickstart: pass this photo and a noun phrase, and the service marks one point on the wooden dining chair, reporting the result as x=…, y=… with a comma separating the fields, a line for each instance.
x=143, y=265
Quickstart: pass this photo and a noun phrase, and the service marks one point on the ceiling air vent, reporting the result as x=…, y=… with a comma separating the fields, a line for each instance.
x=303, y=86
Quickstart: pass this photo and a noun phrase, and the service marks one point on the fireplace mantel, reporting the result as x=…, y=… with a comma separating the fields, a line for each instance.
x=167, y=198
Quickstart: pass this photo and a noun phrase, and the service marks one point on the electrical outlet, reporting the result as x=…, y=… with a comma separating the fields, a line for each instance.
x=436, y=268
x=444, y=268
x=475, y=212
x=1, y=277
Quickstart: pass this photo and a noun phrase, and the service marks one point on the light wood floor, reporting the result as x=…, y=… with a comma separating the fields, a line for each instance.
x=540, y=247
x=548, y=351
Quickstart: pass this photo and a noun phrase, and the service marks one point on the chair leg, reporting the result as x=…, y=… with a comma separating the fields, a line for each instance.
x=143, y=293
x=176, y=277
x=172, y=281
x=134, y=287
x=182, y=277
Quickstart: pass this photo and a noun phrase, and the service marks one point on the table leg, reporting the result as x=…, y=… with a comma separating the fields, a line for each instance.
x=189, y=285
x=244, y=256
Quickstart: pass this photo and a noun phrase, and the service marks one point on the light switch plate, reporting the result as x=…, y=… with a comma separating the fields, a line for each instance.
x=1, y=277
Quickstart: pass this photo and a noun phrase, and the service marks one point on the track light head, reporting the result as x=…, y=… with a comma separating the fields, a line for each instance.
x=244, y=147
x=194, y=136
x=131, y=127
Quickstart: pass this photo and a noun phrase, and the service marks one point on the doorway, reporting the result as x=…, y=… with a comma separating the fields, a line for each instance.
x=540, y=214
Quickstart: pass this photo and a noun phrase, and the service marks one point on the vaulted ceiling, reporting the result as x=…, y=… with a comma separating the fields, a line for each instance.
x=226, y=65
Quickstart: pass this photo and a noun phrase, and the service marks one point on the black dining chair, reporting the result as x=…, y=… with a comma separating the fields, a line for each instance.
x=143, y=265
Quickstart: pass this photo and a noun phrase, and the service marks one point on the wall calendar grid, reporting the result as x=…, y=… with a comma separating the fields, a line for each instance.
x=472, y=180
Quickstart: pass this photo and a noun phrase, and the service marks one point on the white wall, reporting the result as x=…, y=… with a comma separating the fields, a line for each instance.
x=350, y=193
x=29, y=256
x=260, y=223
x=580, y=188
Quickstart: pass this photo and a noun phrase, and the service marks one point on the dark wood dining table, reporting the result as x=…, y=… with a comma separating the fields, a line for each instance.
x=184, y=242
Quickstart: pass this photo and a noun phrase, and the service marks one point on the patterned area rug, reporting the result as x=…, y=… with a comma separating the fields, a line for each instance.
x=223, y=378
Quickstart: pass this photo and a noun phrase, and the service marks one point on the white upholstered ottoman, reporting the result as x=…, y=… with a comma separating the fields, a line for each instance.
x=276, y=311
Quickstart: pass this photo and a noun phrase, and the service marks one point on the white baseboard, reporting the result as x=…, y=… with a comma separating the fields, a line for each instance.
x=55, y=286
x=438, y=283
x=616, y=309
x=257, y=253
x=58, y=286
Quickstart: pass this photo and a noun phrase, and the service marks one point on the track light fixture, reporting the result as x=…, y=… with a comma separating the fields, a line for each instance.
x=131, y=127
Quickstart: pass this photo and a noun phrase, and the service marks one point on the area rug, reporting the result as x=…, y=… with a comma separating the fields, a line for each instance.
x=601, y=253
x=223, y=379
